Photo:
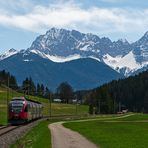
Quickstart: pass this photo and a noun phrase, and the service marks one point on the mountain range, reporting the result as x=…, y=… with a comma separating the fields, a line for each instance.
x=83, y=60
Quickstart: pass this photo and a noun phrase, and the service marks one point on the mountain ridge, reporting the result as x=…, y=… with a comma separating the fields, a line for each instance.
x=61, y=45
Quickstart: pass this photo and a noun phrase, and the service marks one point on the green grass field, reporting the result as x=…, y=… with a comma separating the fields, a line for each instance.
x=56, y=108
x=129, y=132
x=136, y=117
x=38, y=137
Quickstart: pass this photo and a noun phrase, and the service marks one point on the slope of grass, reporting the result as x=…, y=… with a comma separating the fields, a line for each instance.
x=38, y=137
x=56, y=108
x=108, y=134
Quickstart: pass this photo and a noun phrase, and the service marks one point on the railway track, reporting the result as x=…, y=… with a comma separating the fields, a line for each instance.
x=10, y=134
x=6, y=129
x=1, y=127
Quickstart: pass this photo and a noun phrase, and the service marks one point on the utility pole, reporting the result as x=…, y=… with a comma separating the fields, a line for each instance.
x=76, y=105
x=50, y=104
x=119, y=106
x=7, y=96
x=99, y=105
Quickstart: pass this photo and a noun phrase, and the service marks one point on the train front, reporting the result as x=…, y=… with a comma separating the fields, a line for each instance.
x=17, y=113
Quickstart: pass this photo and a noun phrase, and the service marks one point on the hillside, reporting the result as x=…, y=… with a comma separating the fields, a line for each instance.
x=80, y=74
x=56, y=108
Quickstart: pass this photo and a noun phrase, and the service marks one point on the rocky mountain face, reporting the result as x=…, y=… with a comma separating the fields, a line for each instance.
x=63, y=43
x=62, y=46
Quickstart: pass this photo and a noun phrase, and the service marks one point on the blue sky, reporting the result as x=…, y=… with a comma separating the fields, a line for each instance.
x=21, y=21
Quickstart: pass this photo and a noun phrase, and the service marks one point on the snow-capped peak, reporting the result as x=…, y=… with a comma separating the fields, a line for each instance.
x=8, y=53
x=146, y=34
x=123, y=40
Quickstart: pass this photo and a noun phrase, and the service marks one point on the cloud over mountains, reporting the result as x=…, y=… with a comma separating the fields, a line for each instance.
x=30, y=16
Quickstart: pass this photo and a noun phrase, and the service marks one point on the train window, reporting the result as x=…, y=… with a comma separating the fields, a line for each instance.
x=16, y=106
x=16, y=109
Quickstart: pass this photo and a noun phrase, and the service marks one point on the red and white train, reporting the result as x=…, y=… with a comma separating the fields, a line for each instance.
x=23, y=110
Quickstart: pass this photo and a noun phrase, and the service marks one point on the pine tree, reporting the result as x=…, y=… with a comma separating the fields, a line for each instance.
x=42, y=90
x=38, y=89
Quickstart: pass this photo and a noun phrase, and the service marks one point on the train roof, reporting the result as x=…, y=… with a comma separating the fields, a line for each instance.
x=25, y=98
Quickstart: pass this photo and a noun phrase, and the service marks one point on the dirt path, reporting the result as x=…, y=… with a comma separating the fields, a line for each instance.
x=65, y=138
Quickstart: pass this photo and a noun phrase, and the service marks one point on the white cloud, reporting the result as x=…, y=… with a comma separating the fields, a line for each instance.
x=74, y=17
x=16, y=6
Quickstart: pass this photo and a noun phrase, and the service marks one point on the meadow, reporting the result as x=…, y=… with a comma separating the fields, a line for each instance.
x=129, y=132
x=124, y=132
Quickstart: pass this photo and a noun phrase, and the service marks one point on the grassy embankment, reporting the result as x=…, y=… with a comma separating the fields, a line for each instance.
x=129, y=132
x=56, y=108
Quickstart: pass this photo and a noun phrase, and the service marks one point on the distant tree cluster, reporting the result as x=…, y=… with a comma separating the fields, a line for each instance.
x=7, y=79
x=29, y=88
x=130, y=93
x=65, y=92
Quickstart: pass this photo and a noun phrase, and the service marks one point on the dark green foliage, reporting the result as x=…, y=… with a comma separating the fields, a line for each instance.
x=113, y=134
x=29, y=88
x=91, y=109
x=7, y=79
x=130, y=93
x=38, y=90
x=65, y=92
x=42, y=90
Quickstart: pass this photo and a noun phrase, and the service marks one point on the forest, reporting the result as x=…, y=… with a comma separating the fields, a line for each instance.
x=130, y=93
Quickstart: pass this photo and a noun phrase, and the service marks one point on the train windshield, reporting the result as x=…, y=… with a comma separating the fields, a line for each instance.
x=16, y=106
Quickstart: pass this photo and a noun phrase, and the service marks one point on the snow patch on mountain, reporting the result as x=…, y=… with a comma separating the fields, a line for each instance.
x=128, y=62
x=59, y=59
x=92, y=57
x=27, y=60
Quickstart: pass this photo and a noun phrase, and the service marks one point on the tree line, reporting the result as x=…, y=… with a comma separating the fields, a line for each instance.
x=28, y=87
x=130, y=93
x=7, y=79
x=64, y=91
